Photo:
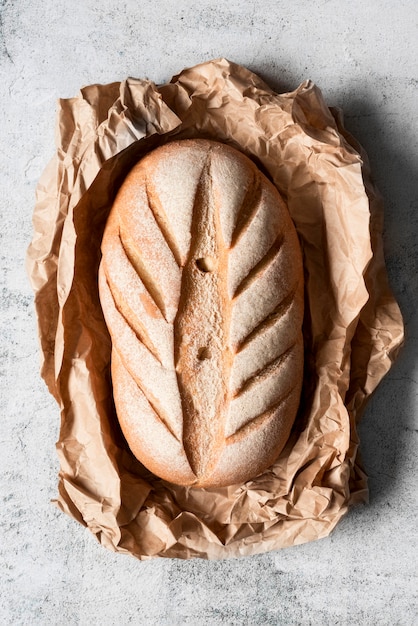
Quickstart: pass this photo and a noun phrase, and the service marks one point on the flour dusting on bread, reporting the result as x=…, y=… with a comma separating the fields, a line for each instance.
x=201, y=285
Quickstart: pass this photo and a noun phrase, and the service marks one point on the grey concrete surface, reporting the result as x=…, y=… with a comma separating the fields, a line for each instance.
x=364, y=57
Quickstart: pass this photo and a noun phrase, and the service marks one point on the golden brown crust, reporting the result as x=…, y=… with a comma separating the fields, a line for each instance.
x=202, y=288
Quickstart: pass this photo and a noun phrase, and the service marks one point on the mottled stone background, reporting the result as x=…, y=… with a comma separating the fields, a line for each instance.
x=364, y=57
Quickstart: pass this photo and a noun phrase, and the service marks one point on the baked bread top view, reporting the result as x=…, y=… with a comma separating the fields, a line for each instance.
x=201, y=285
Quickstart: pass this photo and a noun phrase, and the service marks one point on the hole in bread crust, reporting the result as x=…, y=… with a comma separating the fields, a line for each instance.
x=203, y=354
x=205, y=264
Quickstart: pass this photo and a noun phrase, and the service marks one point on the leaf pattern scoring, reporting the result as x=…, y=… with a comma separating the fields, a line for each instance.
x=201, y=287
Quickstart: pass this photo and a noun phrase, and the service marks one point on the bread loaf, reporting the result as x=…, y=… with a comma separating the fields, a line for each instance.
x=201, y=285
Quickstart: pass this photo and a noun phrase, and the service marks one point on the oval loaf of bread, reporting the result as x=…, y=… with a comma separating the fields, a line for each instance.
x=201, y=285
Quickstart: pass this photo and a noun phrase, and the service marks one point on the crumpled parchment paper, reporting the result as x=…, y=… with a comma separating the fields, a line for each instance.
x=353, y=327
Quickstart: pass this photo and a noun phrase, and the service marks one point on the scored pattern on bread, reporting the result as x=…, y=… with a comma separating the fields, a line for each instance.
x=263, y=373
x=151, y=286
x=125, y=309
x=270, y=320
x=261, y=267
x=201, y=287
x=258, y=421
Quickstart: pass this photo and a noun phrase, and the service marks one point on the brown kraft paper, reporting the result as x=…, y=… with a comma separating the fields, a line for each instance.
x=352, y=329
